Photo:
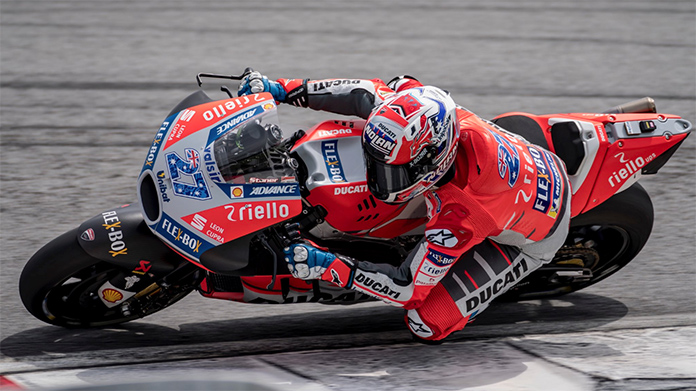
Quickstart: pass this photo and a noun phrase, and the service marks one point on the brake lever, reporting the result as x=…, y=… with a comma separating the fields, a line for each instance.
x=199, y=76
x=293, y=234
x=227, y=91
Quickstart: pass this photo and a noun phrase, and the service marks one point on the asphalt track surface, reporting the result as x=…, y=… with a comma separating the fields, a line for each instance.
x=85, y=85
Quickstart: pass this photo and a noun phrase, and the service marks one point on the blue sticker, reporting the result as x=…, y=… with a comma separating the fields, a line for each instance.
x=187, y=178
x=285, y=190
x=333, y=162
x=543, y=185
x=157, y=142
x=439, y=258
x=556, y=195
x=232, y=122
x=183, y=239
x=508, y=160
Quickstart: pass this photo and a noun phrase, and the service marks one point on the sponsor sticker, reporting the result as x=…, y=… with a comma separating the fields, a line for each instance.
x=210, y=166
x=557, y=186
x=187, y=178
x=130, y=281
x=262, y=190
x=508, y=160
x=112, y=296
x=143, y=267
x=162, y=186
x=236, y=120
x=439, y=258
x=334, y=132
x=157, y=143
x=353, y=189
x=542, y=202
x=378, y=140
x=333, y=162
x=112, y=225
x=88, y=235
x=228, y=222
x=630, y=167
x=183, y=239
x=237, y=192
x=274, y=190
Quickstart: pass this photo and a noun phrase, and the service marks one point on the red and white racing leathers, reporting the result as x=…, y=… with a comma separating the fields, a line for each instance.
x=504, y=213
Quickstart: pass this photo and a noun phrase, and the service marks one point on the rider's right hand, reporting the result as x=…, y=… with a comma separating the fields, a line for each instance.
x=254, y=83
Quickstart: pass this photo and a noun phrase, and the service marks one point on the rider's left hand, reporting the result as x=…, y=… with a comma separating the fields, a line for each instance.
x=255, y=83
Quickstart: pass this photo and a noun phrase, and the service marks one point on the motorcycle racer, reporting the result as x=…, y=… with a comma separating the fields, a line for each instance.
x=498, y=206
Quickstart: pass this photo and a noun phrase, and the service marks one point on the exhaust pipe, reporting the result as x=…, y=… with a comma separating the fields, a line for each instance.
x=643, y=105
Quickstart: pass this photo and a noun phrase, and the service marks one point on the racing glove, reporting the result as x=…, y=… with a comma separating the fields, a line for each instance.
x=307, y=262
x=254, y=83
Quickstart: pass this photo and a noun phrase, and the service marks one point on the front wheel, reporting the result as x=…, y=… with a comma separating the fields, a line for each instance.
x=59, y=285
x=600, y=243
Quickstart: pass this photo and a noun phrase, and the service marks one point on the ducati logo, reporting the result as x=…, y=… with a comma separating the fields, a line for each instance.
x=88, y=235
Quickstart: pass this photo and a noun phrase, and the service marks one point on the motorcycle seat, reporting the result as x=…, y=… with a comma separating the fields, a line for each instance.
x=525, y=126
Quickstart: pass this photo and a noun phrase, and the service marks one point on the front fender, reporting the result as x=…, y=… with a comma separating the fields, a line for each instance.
x=121, y=237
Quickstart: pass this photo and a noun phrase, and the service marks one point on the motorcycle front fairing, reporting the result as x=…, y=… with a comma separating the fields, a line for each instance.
x=215, y=175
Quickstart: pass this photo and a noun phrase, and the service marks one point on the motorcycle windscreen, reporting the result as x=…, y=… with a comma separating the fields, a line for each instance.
x=255, y=177
x=250, y=154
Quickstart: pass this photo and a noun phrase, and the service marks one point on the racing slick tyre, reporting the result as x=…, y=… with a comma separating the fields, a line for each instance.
x=59, y=285
x=601, y=241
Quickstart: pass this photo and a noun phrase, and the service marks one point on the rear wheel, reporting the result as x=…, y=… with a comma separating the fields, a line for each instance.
x=600, y=242
x=59, y=285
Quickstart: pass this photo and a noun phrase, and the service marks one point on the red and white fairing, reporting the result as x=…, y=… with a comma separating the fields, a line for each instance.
x=198, y=208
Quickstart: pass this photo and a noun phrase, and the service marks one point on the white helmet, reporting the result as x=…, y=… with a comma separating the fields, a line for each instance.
x=409, y=143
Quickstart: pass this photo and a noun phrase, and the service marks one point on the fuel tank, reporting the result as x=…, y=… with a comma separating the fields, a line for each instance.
x=332, y=154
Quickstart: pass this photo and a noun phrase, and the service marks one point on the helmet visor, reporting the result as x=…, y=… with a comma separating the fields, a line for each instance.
x=386, y=181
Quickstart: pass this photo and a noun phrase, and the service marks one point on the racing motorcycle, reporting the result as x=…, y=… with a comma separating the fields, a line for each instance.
x=222, y=192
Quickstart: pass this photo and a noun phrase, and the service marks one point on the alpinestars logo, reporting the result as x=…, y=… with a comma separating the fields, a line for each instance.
x=417, y=326
x=441, y=237
x=335, y=278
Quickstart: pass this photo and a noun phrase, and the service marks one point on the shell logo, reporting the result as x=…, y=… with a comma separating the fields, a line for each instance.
x=237, y=192
x=268, y=106
x=112, y=295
